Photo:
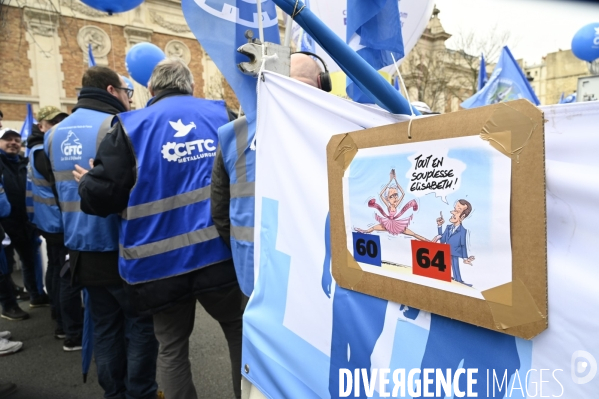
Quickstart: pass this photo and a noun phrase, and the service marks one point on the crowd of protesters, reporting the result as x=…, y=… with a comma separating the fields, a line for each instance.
x=125, y=204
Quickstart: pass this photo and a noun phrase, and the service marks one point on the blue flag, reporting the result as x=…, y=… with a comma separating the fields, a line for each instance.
x=507, y=83
x=91, y=61
x=354, y=66
x=561, y=98
x=27, y=126
x=220, y=26
x=374, y=32
x=482, y=74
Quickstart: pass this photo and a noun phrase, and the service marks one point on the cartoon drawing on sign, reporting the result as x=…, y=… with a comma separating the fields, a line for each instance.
x=391, y=222
x=451, y=176
x=455, y=236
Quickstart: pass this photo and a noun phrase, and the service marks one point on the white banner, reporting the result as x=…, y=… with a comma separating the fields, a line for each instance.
x=301, y=331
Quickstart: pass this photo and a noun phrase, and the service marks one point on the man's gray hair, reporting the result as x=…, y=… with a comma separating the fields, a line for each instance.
x=171, y=74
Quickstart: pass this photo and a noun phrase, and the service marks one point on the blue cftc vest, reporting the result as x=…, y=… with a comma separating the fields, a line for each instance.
x=240, y=161
x=46, y=214
x=74, y=141
x=167, y=229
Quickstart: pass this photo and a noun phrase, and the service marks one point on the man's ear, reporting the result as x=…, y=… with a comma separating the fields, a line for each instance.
x=151, y=90
x=111, y=90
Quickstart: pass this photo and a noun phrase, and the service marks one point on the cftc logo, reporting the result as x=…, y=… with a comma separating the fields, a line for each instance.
x=71, y=148
x=242, y=13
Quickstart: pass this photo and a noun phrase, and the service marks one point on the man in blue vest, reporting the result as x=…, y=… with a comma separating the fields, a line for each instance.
x=17, y=225
x=233, y=177
x=154, y=168
x=125, y=348
x=65, y=298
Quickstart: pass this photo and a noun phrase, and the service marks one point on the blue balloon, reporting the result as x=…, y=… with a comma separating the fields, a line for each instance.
x=112, y=6
x=128, y=81
x=585, y=44
x=141, y=60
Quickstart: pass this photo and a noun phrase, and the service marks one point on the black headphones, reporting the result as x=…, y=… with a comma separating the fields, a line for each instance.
x=324, y=79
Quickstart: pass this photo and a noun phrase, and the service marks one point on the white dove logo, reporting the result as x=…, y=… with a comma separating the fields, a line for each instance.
x=182, y=130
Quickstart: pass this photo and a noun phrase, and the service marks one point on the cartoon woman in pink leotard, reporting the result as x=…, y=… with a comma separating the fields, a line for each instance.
x=391, y=222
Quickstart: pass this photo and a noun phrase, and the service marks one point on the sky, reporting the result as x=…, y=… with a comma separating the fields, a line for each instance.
x=537, y=27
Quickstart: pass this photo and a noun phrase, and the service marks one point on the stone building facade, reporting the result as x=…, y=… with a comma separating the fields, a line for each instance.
x=436, y=75
x=43, y=51
x=558, y=73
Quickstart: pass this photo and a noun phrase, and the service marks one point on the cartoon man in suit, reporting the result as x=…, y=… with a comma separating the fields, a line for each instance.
x=455, y=236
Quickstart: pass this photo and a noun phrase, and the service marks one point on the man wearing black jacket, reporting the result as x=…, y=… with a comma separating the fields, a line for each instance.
x=164, y=205
x=17, y=225
x=125, y=348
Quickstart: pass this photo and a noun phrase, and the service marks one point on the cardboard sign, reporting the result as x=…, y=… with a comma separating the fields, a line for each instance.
x=447, y=215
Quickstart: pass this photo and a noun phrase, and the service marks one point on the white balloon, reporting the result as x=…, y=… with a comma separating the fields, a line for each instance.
x=414, y=16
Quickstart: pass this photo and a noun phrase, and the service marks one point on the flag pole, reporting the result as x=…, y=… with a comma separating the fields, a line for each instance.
x=260, y=27
x=288, y=31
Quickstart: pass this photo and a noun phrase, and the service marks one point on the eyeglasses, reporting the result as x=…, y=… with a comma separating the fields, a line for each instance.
x=128, y=90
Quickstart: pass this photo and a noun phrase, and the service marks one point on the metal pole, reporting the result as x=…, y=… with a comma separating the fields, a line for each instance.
x=288, y=31
x=260, y=28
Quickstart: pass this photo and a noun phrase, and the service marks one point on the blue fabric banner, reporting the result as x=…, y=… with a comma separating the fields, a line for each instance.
x=374, y=32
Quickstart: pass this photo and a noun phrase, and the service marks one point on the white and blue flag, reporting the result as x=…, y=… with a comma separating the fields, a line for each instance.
x=220, y=27
x=374, y=32
x=507, y=83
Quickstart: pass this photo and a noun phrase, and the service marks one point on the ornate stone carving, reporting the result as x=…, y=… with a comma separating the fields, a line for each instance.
x=41, y=22
x=178, y=49
x=83, y=9
x=99, y=40
x=172, y=26
x=214, y=87
x=135, y=34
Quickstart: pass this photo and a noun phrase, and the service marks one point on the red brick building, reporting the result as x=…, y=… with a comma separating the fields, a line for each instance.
x=43, y=51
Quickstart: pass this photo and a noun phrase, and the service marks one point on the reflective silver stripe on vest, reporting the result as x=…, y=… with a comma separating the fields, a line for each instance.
x=167, y=204
x=103, y=130
x=50, y=139
x=170, y=244
x=1, y=190
x=65, y=175
x=239, y=190
x=242, y=233
x=45, y=201
x=29, y=209
x=40, y=182
x=240, y=127
x=28, y=193
x=70, y=206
